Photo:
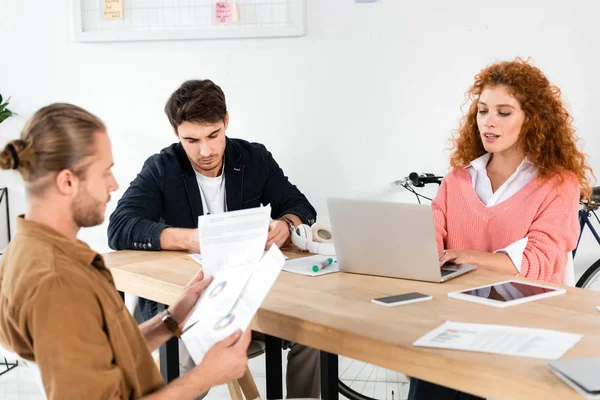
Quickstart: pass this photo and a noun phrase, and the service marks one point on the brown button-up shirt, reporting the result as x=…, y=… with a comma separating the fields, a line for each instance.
x=60, y=309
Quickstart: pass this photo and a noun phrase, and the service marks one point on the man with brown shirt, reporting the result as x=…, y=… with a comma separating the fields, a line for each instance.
x=58, y=304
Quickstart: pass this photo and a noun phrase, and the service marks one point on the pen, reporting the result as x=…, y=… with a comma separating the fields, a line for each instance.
x=322, y=264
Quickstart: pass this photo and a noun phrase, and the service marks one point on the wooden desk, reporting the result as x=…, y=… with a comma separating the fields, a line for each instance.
x=334, y=313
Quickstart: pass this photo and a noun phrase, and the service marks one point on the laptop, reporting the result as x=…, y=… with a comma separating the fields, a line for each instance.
x=395, y=240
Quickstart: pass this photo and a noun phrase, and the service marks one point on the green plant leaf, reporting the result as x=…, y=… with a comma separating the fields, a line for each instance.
x=4, y=111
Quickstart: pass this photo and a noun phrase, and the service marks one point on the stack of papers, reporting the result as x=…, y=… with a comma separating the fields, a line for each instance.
x=232, y=252
x=499, y=339
x=304, y=266
x=233, y=239
x=198, y=257
x=229, y=303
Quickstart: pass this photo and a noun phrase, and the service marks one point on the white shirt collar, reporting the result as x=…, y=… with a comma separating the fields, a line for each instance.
x=480, y=164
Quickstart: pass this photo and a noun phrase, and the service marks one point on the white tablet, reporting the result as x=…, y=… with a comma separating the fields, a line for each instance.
x=507, y=293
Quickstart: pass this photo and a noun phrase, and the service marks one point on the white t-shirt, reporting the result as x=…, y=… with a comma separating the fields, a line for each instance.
x=212, y=192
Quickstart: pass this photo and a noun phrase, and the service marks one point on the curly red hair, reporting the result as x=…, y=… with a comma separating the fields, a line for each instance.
x=547, y=136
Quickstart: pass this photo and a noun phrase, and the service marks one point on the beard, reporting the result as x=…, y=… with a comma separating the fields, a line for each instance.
x=87, y=211
x=213, y=165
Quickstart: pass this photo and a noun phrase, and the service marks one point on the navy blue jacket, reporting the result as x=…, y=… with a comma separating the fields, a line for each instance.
x=165, y=194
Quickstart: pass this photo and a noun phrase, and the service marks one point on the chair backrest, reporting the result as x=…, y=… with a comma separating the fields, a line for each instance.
x=131, y=303
x=38, y=377
x=569, y=274
x=35, y=370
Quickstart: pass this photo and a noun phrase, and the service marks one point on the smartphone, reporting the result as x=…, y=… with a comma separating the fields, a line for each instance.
x=400, y=299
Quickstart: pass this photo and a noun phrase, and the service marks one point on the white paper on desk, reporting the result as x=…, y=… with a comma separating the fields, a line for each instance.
x=303, y=266
x=500, y=339
x=205, y=332
x=198, y=257
x=233, y=238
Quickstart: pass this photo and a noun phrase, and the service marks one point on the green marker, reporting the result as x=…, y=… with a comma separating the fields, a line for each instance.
x=322, y=264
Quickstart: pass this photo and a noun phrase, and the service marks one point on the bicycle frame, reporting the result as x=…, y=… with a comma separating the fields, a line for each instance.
x=584, y=219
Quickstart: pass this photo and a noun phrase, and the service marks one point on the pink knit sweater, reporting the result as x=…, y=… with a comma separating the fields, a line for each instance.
x=544, y=211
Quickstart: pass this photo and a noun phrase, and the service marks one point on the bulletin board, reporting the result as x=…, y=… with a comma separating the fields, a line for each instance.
x=130, y=20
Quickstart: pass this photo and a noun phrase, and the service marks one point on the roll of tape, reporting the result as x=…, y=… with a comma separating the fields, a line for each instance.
x=321, y=232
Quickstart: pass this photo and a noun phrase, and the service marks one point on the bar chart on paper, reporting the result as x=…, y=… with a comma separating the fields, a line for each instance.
x=500, y=339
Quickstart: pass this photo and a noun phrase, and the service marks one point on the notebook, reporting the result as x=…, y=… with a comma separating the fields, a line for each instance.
x=579, y=373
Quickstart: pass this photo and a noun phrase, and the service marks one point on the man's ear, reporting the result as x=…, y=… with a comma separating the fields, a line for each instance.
x=226, y=121
x=66, y=182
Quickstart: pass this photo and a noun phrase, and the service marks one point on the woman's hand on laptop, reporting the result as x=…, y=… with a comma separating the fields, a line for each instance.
x=456, y=256
x=499, y=261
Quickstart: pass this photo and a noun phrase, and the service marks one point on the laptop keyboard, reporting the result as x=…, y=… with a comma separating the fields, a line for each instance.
x=446, y=272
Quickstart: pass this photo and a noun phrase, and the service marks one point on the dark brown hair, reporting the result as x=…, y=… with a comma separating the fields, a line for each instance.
x=57, y=137
x=200, y=101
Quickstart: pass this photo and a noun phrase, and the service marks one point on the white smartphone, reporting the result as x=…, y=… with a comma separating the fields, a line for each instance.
x=400, y=299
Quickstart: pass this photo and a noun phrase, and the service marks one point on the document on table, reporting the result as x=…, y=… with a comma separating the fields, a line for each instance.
x=500, y=339
x=303, y=266
x=233, y=238
x=198, y=257
x=219, y=312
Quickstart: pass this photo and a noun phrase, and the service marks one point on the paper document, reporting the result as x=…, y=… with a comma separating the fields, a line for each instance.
x=499, y=339
x=221, y=295
x=207, y=326
x=233, y=238
x=198, y=257
x=303, y=266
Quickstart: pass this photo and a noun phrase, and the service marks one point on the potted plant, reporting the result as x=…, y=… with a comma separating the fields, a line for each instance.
x=4, y=111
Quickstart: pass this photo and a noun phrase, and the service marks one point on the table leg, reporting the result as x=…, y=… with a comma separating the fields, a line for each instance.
x=273, y=367
x=329, y=376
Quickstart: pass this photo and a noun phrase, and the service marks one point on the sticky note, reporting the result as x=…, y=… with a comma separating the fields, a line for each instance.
x=226, y=12
x=113, y=9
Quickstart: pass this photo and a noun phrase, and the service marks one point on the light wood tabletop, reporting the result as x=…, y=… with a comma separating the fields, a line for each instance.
x=334, y=313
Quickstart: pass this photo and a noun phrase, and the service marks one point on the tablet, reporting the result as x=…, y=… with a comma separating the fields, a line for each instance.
x=507, y=293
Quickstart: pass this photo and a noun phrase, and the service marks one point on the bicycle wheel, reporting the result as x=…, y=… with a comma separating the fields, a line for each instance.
x=591, y=277
x=362, y=381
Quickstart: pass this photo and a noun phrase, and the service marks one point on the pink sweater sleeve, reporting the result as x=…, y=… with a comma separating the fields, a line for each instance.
x=553, y=233
x=439, y=216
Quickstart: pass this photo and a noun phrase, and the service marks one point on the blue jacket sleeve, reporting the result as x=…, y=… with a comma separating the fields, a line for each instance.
x=136, y=223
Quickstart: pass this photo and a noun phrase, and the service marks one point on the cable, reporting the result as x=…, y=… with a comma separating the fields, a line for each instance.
x=413, y=191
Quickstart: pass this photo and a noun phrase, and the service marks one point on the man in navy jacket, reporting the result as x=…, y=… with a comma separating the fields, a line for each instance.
x=205, y=173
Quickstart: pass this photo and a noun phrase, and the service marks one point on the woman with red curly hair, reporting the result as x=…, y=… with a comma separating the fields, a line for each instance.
x=510, y=202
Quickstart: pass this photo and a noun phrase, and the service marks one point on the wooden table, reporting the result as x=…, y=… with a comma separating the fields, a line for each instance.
x=334, y=313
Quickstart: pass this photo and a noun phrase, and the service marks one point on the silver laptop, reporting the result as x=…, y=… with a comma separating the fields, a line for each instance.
x=388, y=239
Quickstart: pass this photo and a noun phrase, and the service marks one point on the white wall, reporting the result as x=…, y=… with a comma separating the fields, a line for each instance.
x=371, y=93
